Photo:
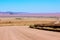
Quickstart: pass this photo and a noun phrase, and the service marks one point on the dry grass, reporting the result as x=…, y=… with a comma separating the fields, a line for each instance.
x=12, y=21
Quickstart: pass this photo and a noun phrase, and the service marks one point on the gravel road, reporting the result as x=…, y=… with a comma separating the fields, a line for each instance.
x=25, y=33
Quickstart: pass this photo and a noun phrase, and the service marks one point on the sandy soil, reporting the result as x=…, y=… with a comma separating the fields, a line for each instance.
x=25, y=21
x=25, y=33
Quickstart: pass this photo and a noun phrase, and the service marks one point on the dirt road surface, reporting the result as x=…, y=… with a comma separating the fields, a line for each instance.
x=25, y=33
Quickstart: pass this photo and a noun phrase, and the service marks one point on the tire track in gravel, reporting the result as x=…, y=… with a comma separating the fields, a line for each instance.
x=25, y=33
x=43, y=35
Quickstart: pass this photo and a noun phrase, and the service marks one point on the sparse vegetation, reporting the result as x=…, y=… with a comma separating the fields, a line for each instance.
x=25, y=21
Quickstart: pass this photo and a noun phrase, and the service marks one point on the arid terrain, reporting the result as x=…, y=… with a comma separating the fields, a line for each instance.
x=24, y=21
x=16, y=27
x=26, y=33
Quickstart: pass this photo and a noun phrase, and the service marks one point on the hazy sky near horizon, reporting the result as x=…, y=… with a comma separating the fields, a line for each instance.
x=35, y=6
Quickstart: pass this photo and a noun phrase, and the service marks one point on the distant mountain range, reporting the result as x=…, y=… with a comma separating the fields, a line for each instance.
x=3, y=14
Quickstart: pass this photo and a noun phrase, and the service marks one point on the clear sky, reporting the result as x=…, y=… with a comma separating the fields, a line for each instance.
x=35, y=6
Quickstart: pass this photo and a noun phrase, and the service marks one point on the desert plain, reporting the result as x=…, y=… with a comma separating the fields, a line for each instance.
x=17, y=28
x=24, y=21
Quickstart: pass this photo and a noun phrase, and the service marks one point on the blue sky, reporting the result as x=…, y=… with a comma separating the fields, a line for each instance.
x=34, y=6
